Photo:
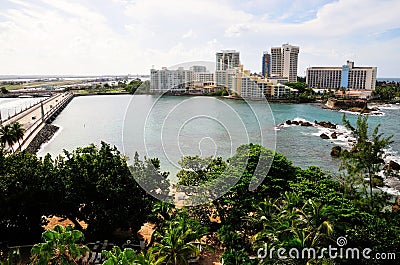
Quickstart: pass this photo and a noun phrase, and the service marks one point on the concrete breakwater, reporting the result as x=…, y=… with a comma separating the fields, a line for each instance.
x=43, y=115
x=48, y=130
x=44, y=135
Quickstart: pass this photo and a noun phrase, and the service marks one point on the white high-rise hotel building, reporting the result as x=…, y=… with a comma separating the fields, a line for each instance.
x=346, y=76
x=284, y=62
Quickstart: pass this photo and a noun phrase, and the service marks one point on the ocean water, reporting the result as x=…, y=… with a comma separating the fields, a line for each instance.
x=170, y=127
x=389, y=79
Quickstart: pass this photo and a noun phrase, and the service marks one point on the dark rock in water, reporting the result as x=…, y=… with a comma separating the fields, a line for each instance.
x=336, y=151
x=324, y=136
x=326, y=124
x=295, y=122
x=289, y=122
x=306, y=123
x=45, y=134
x=334, y=135
x=392, y=165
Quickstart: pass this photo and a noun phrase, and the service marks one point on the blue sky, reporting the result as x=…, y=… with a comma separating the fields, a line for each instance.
x=131, y=36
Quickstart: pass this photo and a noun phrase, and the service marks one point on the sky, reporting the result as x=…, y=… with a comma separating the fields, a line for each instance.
x=96, y=37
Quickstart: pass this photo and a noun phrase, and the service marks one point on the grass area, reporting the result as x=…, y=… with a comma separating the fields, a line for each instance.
x=93, y=91
x=40, y=84
x=12, y=87
x=80, y=92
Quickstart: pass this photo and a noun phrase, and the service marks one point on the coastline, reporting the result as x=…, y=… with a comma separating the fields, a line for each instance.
x=44, y=136
x=341, y=137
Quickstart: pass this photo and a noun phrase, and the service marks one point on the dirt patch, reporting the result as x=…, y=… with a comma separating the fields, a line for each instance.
x=146, y=232
x=55, y=220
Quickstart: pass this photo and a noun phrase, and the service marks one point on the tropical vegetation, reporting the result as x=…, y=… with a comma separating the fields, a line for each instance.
x=292, y=208
x=11, y=134
x=61, y=246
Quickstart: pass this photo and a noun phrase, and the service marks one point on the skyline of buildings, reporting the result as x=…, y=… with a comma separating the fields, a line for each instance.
x=278, y=67
x=229, y=74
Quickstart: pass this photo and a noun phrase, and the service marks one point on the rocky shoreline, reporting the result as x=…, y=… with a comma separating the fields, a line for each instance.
x=45, y=134
x=336, y=151
x=351, y=105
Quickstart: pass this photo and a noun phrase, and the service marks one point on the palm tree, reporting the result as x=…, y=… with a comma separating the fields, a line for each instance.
x=175, y=244
x=163, y=211
x=174, y=248
x=7, y=136
x=61, y=246
x=18, y=132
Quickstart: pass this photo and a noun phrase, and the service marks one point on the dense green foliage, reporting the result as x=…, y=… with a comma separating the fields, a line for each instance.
x=4, y=90
x=220, y=93
x=91, y=184
x=300, y=86
x=133, y=86
x=387, y=91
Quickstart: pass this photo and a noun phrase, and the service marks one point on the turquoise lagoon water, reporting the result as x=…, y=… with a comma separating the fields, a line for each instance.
x=170, y=127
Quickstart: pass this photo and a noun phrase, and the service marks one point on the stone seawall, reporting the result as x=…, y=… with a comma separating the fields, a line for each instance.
x=45, y=134
x=346, y=104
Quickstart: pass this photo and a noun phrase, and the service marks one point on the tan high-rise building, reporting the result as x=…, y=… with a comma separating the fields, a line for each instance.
x=284, y=62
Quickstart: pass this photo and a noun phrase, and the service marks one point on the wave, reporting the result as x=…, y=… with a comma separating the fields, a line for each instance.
x=372, y=113
x=388, y=106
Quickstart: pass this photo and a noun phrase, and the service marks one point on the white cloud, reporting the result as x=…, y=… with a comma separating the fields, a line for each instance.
x=236, y=30
x=84, y=37
x=189, y=34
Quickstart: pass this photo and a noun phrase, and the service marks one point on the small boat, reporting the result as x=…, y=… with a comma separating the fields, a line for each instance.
x=25, y=96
